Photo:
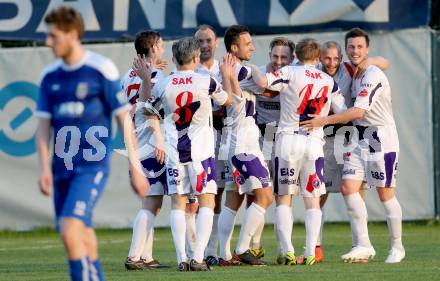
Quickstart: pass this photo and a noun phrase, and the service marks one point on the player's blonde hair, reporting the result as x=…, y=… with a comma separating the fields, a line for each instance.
x=307, y=49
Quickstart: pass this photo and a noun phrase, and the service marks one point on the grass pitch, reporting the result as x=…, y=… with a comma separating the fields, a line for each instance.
x=39, y=255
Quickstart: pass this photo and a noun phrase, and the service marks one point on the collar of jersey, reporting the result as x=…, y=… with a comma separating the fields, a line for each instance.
x=73, y=67
x=185, y=71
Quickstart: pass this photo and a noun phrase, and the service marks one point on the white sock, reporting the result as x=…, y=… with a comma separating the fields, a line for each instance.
x=147, y=252
x=284, y=225
x=394, y=221
x=313, y=225
x=139, y=235
x=211, y=249
x=204, y=227
x=358, y=212
x=190, y=238
x=354, y=234
x=256, y=239
x=277, y=237
x=321, y=230
x=178, y=229
x=226, y=222
x=253, y=217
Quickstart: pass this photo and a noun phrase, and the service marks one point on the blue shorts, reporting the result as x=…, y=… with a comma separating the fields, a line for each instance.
x=76, y=196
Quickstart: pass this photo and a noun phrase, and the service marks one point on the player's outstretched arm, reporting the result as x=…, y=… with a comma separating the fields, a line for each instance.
x=258, y=76
x=378, y=61
x=42, y=139
x=139, y=181
x=344, y=117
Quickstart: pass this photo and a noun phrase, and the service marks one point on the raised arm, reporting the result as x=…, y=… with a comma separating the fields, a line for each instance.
x=143, y=67
x=258, y=76
x=378, y=61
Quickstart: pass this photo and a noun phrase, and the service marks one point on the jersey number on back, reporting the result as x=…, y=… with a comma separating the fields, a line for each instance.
x=309, y=104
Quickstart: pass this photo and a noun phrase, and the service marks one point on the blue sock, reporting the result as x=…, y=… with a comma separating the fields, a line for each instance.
x=96, y=270
x=79, y=269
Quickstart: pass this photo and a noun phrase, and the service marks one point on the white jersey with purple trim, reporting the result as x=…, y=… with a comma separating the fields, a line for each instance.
x=304, y=90
x=268, y=108
x=131, y=85
x=373, y=94
x=213, y=71
x=186, y=99
x=242, y=130
x=344, y=78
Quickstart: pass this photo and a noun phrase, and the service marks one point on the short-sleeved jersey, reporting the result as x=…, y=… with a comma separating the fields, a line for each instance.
x=240, y=121
x=213, y=71
x=131, y=84
x=304, y=90
x=373, y=94
x=79, y=100
x=268, y=108
x=344, y=78
x=186, y=99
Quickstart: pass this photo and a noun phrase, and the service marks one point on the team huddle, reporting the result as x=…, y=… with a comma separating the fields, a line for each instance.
x=307, y=123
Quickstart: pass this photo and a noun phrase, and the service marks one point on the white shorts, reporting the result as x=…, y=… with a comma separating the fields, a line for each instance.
x=378, y=169
x=332, y=169
x=246, y=172
x=156, y=174
x=299, y=164
x=193, y=177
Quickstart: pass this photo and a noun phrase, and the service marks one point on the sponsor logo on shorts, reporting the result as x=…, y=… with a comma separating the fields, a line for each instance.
x=288, y=181
x=174, y=182
x=316, y=183
x=349, y=172
x=264, y=180
x=240, y=179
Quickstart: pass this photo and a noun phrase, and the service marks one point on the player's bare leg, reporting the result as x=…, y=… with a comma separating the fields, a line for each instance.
x=254, y=217
x=283, y=229
x=178, y=229
x=203, y=230
x=394, y=221
x=81, y=247
x=357, y=211
x=226, y=224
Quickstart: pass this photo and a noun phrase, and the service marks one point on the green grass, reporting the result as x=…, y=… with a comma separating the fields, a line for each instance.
x=39, y=255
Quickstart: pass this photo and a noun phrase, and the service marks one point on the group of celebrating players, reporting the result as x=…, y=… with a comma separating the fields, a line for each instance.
x=208, y=128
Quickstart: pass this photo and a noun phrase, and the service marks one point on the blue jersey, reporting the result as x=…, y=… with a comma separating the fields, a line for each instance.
x=80, y=100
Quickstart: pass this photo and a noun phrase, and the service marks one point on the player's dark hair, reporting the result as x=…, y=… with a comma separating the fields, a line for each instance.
x=185, y=49
x=307, y=49
x=332, y=45
x=205, y=27
x=357, y=32
x=66, y=19
x=232, y=34
x=145, y=40
x=283, y=41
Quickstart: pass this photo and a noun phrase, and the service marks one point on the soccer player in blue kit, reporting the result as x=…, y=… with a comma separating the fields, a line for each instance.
x=79, y=94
